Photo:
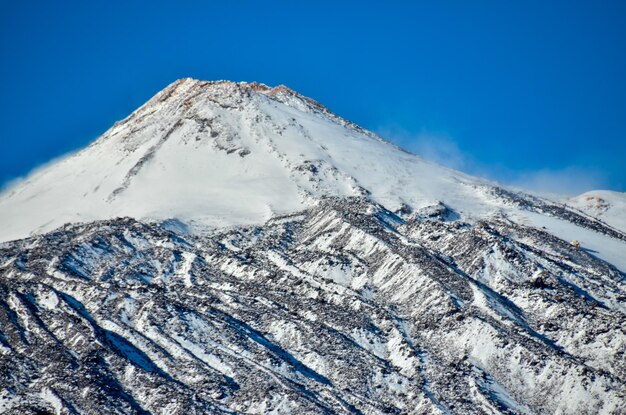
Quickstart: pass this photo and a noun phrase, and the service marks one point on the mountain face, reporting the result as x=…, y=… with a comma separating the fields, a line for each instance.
x=235, y=248
x=214, y=154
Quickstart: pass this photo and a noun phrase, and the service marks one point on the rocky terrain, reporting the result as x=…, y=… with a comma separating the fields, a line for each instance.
x=322, y=287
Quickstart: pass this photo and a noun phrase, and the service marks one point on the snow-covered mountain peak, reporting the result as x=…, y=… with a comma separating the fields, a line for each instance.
x=218, y=154
x=189, y=98
x=222, y=153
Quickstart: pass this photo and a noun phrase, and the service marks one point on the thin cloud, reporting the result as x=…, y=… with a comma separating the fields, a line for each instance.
x=568, y=181
x=431, y=145
x=13, y=183
x=441, y=148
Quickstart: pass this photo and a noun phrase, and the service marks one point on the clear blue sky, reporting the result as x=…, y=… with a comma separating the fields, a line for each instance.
x=531, y=93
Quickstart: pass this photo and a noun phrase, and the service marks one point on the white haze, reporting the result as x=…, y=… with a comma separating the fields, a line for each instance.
x=441, y=148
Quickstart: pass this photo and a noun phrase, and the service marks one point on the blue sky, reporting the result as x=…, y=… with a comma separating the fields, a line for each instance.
x=531, y=93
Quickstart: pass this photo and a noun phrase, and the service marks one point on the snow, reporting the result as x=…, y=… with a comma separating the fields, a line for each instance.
x=162, y=164
x=488, y=386
x=201, y=156
x=601, y=246
x=49, y=300
x=50, y=397
x=437, y=333
x=210, y=359
x=185, y=267
x=371, y=342
x=605, y=205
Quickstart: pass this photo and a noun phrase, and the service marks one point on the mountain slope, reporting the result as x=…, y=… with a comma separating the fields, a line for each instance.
x=235, y=248
x=606, y=205
x=345, y=308
x=224, y=153
x=215, y=154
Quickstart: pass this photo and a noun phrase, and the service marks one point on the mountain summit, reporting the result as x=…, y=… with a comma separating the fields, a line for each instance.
x=236, y=248
x=222, y=153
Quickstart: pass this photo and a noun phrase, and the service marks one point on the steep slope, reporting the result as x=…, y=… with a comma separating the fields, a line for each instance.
x=344, y=308
x=236, y=248
x=216, y=154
